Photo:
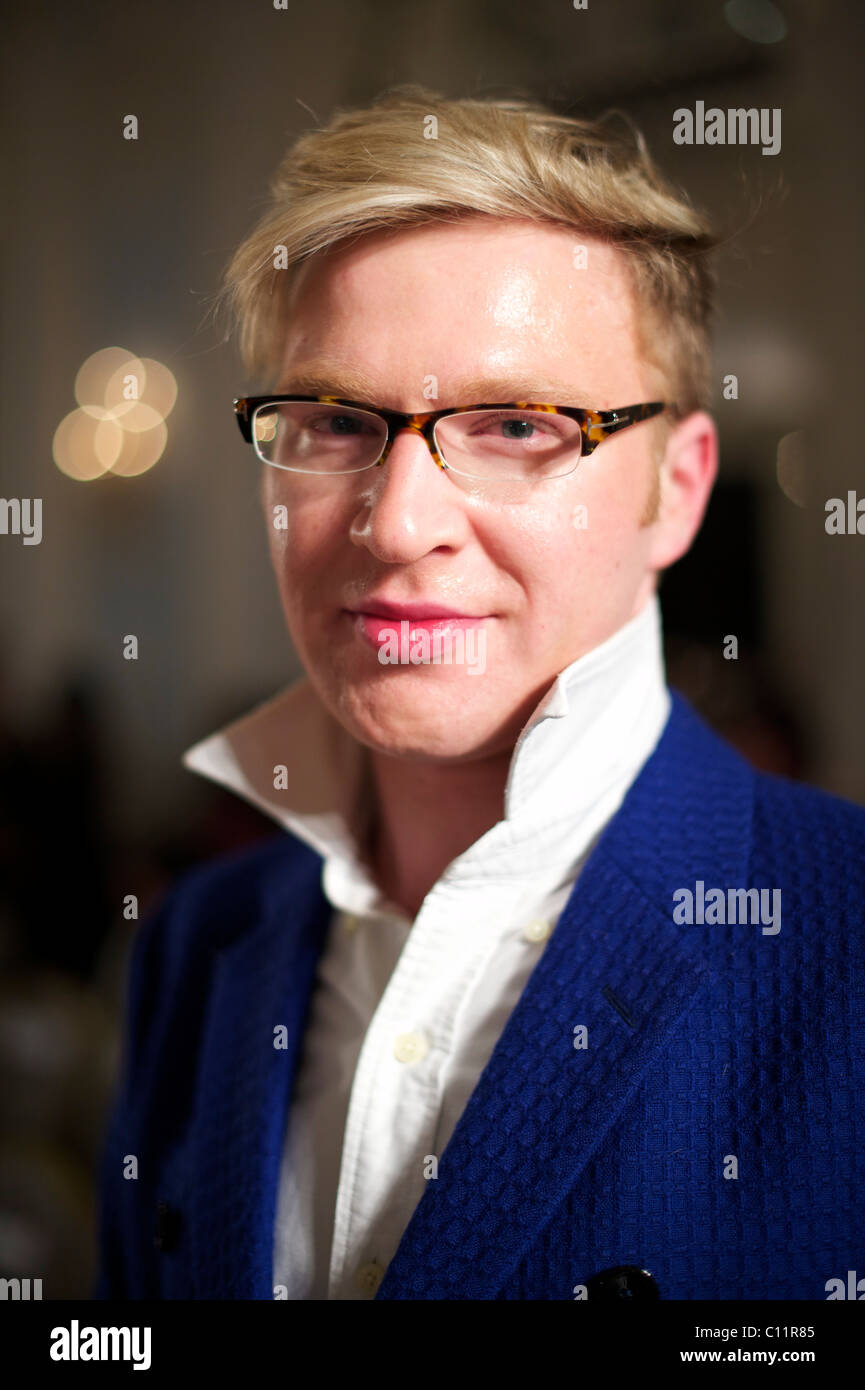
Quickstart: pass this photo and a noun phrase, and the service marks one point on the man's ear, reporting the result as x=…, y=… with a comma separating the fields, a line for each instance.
x=687, y=473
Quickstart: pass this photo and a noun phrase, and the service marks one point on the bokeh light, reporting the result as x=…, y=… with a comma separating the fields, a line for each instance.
x=757, y=20
x=140, y=450
x=119, y=426
x=125, y=387
x=791, y=467
x=87, y=445
x=94, y=375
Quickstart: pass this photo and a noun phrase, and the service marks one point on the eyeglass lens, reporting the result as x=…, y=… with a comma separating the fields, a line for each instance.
x=315, y=437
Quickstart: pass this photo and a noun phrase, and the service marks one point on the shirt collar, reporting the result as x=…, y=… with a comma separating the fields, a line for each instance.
x=597, y=723
x=599, y=714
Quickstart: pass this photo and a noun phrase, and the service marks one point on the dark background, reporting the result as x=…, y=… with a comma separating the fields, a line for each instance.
x=109, y=241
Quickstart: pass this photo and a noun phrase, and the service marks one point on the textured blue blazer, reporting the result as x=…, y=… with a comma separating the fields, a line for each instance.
x=705, y=1043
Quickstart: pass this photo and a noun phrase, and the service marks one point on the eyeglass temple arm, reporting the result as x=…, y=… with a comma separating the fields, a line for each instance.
x=241, y=411
x=607, y=422
x=631, y=415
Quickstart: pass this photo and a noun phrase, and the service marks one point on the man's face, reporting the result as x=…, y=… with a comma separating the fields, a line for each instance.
x=480, y=301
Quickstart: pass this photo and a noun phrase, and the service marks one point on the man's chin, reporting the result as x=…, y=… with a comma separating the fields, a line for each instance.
x=418, y=715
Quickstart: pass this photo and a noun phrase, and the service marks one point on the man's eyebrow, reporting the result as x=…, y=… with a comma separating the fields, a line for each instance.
x=542, y=389
x=318, y=381
x=346, y=384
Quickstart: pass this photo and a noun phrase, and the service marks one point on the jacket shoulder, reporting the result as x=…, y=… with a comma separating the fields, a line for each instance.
x=699, y=804
x=219, y=894
x=801, y=802
x=817, y=839
x=691, y=749
x=203, y=910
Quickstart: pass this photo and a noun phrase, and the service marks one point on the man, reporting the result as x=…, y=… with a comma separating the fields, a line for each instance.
x=540, y=992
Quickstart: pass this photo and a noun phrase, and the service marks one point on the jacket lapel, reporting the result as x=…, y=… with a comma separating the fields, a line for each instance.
x=262, y=982
x=617, y=965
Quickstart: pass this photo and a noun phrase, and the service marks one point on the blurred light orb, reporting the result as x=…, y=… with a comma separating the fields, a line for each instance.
x=791, y=467
x=757, y=20
x=85, y=445
x=140, y=450
x=126, y=386
x=136, y=416
x=94, y=375
x=161, y=390
x=125, y=399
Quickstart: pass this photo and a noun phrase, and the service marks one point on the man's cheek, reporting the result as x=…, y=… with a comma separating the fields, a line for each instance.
x=289, y=530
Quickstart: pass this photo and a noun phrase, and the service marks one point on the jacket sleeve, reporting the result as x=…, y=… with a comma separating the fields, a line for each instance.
x=142, y=996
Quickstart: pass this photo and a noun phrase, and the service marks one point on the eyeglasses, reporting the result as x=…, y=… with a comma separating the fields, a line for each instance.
x=522, y=440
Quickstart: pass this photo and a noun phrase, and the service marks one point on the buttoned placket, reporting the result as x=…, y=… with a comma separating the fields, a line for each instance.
x=398, y=1071
x=463, y=922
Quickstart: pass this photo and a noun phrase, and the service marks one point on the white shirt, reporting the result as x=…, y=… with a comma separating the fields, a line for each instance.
x=405, y=1015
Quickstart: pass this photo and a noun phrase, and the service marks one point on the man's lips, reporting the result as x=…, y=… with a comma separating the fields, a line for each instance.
x=377, y=620
x=420, y=610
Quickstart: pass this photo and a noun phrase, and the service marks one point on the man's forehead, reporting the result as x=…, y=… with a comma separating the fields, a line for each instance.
x=548, y=331
x=510, y=271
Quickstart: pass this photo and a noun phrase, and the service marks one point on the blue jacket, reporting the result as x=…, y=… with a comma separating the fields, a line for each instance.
x=709, y=1131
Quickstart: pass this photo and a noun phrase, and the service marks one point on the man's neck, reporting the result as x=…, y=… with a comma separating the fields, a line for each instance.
x=426, y=816
x=601, y=718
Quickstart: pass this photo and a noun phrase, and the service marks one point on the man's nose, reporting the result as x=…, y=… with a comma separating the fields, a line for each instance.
x=408, y=506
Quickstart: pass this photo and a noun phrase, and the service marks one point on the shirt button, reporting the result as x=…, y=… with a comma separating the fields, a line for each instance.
x=410, y=1047
x=368, y=1277
x=537, y=930
x=351, y=922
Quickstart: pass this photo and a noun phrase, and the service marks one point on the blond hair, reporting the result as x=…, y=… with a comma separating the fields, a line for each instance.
x=376, y=167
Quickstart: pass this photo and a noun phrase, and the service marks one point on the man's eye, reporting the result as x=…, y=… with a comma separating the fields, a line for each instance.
x=517, y=428
x=337, y=424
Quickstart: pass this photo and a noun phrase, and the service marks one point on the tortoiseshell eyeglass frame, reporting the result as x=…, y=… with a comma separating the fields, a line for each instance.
x=595, y=425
